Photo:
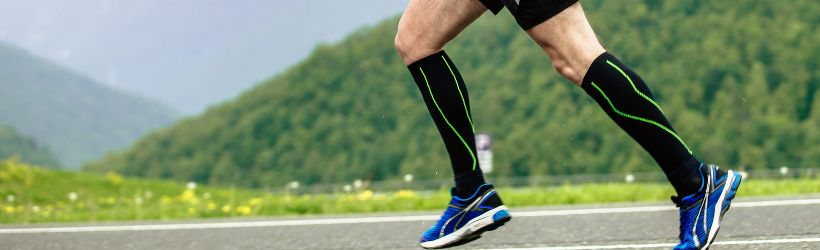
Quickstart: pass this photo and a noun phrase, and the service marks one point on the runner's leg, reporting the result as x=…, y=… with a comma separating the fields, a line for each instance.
x=576, y=54
x=425, y=27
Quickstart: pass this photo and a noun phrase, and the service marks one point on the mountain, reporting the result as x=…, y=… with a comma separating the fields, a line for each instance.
x=12, y=144
x=739, y=81
x=77, y=118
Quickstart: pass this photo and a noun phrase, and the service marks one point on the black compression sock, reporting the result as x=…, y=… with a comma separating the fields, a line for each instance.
x=446, y=97
x=627, y=100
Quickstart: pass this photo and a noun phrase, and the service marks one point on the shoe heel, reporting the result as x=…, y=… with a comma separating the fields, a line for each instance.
x=501, y=215
x=499, y=219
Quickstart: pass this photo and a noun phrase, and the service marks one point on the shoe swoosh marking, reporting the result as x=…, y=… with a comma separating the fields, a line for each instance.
x=719, y=208
x=462, y=213
x=712, y=188
x=708, y=195
x=475, y=204
x=702, y=209
x=695, y=223
x=492, y=191
x=443, y=227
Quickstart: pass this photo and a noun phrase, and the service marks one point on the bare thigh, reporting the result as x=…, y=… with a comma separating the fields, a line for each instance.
x=569, y=41
x=427, y=25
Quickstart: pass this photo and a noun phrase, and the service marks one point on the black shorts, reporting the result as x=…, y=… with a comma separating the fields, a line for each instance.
x=529, y=13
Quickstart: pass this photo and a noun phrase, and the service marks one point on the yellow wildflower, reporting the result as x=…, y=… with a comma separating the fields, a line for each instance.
x=226, y=208
x=243, y=210
x=188, y=196
x=365, y=195
x=211, y=206
x=405, y=193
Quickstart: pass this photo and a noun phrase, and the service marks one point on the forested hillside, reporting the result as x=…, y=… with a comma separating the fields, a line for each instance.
x=76, y=117
x=12, y=144
x=738, y=79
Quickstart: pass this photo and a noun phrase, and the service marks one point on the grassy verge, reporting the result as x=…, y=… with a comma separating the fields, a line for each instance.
x=31, y=195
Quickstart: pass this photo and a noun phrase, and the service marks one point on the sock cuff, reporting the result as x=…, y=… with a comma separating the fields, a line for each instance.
x=594, y=69
x=686, y=165
x=686, y=176
x=474, y=174
x=469, y=181
x=433, y=58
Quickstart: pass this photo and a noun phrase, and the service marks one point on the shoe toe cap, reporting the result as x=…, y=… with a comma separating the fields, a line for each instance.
x=429, y=235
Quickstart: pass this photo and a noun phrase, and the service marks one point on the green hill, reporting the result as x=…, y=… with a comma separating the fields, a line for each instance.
x=13, y=144
x=78, y=118
x=738, y=79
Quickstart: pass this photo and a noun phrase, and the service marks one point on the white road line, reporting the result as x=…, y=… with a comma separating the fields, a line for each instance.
x=666, y=245
x=615, y=210
x=334, y=221
x=238, y=224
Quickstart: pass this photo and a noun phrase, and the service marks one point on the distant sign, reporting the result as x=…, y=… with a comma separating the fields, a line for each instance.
x=484, y=144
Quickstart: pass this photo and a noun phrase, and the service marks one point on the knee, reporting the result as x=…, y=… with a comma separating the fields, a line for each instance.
x=573, y=63
x=566, y=69
x=402, y=47
x=412, y=47
x=565, y=66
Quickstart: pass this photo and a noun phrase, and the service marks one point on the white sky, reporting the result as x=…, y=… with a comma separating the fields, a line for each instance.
x=186, y=53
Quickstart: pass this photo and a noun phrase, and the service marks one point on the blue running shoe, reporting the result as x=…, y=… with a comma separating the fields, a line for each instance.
x=701, y=212
x=465, y=219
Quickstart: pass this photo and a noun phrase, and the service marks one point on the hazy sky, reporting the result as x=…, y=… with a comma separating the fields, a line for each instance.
x=186, y=53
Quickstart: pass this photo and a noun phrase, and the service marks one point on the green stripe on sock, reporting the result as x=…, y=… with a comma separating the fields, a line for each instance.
x=633, y=85
x=640, y=118
x=445, y=118
x=455, y=80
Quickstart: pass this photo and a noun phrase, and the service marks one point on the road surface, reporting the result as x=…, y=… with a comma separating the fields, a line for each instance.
x=770, y=223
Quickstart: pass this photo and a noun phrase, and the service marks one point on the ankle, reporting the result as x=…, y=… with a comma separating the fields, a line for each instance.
x=468, y=183
x=689, y=177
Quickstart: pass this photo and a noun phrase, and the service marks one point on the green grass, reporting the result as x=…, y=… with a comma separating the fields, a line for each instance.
x=41, y=195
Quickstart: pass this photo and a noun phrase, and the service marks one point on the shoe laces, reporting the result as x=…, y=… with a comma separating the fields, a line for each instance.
x=449, y=212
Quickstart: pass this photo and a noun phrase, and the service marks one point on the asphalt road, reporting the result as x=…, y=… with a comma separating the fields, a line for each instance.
x=772, y=223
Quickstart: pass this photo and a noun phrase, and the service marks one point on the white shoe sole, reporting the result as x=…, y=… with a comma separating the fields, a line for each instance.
x=472, y=229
